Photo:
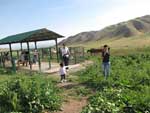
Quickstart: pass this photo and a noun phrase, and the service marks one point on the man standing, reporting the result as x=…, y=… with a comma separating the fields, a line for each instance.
x=65, y=55
x=106, y=62
x=35, y=56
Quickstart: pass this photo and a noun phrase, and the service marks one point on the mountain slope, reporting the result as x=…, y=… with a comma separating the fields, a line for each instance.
x=127, y=29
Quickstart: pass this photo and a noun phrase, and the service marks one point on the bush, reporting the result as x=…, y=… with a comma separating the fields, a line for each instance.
x=6, y=71
x=125, y=91
x=27, y=95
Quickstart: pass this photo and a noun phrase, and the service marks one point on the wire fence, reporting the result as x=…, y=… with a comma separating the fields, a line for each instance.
x=77, y=55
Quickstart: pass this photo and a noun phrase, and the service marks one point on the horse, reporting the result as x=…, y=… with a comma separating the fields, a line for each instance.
x=94, y=51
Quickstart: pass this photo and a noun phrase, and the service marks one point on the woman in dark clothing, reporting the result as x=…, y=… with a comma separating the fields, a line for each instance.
x=106, y=61
x=65, y=55
x=26, y=57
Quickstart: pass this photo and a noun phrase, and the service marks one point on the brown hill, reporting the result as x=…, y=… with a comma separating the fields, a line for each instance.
x=126, y=29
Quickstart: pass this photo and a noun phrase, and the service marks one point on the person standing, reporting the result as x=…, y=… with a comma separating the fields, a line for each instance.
x=65, y=55
x=22, y=59
x=106, y=61
x=63, y=73
x=26, y=58
x=35, y=56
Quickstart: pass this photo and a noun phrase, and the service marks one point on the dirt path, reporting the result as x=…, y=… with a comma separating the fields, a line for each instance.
x=71, y=105
x=55, y=67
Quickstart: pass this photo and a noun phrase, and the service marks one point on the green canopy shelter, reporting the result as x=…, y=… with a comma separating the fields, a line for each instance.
x=31, y=36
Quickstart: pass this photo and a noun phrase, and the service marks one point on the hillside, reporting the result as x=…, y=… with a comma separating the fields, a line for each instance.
x=131, y=28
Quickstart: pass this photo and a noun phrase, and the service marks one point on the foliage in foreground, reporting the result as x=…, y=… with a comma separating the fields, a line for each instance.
x=28, y=95
x=125, y=91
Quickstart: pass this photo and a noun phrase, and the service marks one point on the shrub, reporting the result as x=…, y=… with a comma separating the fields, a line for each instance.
x=30, y=94
x=125, y=91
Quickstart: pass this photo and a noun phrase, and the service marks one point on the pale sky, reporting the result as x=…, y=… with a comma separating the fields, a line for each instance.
x=67, y=17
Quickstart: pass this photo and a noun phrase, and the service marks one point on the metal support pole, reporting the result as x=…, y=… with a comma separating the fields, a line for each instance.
x=75, y=57
x=20, y=54
x=83, y=54
x=1, y=60
x=35, y=44
x=39, y=60
x=49, y=58
x=10, y=50
x=21, y=46
x=11, y=58
x=57, y=51
x=29, y=56
x=60, y=55
x=17, y=54
x=42, y=50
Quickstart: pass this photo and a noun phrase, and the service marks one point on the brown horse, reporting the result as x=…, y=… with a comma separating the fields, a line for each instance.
x=94, y=51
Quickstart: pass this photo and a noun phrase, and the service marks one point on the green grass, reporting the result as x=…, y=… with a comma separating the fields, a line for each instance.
x=125, y=91
x=128, y=51
x=141, y=41
x=24, y=93
x=121, y=46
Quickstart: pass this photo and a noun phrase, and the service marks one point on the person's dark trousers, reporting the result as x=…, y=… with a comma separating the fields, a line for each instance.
x=63, y=77
x=66, y=61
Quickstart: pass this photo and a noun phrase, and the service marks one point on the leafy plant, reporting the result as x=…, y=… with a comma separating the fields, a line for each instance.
x=125, y=91
x=30, y=94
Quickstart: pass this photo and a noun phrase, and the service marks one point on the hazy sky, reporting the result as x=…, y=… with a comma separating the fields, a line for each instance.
x=66, y=17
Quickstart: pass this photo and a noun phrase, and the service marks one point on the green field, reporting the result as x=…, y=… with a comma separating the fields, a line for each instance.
x=125, y=91
x=22, y=93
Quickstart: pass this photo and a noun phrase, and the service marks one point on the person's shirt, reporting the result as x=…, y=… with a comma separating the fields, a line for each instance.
x=22, y=57
x=65, y=51
x=35, y=53
x=105, y=56
x=62, y=71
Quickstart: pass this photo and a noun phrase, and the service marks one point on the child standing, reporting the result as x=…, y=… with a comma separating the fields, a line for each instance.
x=62, y=72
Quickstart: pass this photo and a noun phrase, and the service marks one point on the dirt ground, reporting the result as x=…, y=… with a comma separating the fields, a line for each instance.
x=71, y=103
x=55, y=67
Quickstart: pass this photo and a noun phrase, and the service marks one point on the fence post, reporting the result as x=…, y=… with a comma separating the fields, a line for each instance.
x=50, y=53
x=39, y=61
x=12, y=59
x=13, y=65
x=17, y=54
x=60, y=55
x=57, y=54
x=75, y=57
x=49, y=58
x=70, y=55
x=1, y=60
x=42, y=53
x=83, y=54
x=29, y=55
